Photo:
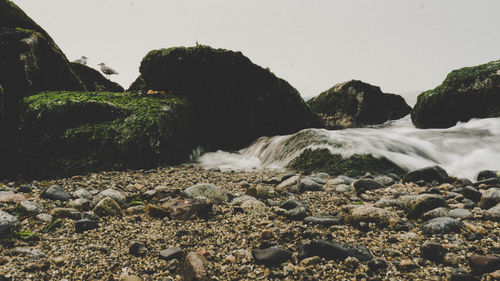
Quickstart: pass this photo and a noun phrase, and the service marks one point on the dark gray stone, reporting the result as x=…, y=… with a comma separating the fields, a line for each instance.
x=490, y=198
x=172, y=253
x=471, y=193
x=441, y=226
x=322, y=221
x=428, y=174
x=137, y=249
x=362, y=185
x=486, y=174
x=432, y=251
x=84, y=225
x=334, y=251
x=8, y=224
x=56, y=192
x=273, y=256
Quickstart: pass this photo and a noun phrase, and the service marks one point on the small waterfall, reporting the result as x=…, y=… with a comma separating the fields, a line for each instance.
x=462, y=150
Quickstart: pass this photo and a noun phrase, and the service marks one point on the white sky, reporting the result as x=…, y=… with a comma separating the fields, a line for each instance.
x=399, y=45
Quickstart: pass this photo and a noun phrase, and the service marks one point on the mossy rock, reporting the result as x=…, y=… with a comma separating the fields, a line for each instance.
x=321, y=160
x=466, y=93
x=138, y=85
x=234, y=100
x=94, y=80
x=355, y=103
x=66, y=133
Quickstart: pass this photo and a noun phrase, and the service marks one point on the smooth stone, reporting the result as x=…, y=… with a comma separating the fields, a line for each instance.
x=419, y=204
x=186, y=209
x=385, y=180
x=485, y=263
x=8, y=224
x=486, y=174
x=308, y=184
x=376, y=264
x=323, y=175
x=322, y=221
x=432, y=251
x=362, y=185
x=29, y=208
x=107, y=207
x=208, y=191
x=155, y=211
x=84, y=225
x=237, y=201
x=435, y=213
x=490, y=198
x=135, y=210
x=333, y=251
x=460, y=213
x=44, y=217
x=195, y=268
x=290, y=184
x=82, y=204
x=428, y=174
x=493, y=213
x=116, y=195
x=81, y=193
x=462, y=277
x=56, y=192
x=471, y=193
x=273, y=256
x=381, y=217
x=298, y=213
x=172, y=253
x=290, y=204
x=441, y=226
x=10, y=197
x=342, y=188
x=258, y=192
x=341, y=180
x=67, y=213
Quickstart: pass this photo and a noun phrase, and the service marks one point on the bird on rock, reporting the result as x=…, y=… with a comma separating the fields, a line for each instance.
x=107, y=70
x=82, y=60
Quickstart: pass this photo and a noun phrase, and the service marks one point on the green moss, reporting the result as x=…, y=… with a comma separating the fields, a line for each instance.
x=53, y=226
x=27, y=235
x=321, y=160
x=79, y=132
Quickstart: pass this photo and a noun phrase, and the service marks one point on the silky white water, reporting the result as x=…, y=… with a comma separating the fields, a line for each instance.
x=462, y=150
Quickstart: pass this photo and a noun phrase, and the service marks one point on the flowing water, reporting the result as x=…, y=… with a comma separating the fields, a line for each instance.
x=462, y=150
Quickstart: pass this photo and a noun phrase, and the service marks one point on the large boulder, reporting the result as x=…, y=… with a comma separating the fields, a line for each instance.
x=67, y=133
x=354, y=104
x=234, y=100
x=466, y=93
x=94, y=80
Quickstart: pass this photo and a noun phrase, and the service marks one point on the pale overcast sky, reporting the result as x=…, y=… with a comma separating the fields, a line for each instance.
x=399, y=45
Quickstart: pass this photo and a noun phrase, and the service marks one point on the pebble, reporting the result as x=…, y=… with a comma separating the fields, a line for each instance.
x=460, y=213
x=432, y=251
x=205, y=191
x=114, y=194
x=172, y=253
x=419, y=204
x=309, y=184
x=441, y=226
x=363, y=185
x=8, y=224
x=490, y=198
x=428, y=174
x=137, y=249
x=107, y=207
x=195, y=268
x=56, y=192
x=485, y=263
x=85, y=225
x=44, y=217
x=186, y=209
x=324, y=221
x=29, y=208
x=271, y=256
x=333, y=251
x=381, y=217
x=471, y=193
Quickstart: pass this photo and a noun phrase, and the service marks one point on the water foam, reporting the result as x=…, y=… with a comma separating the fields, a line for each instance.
x=462, y=150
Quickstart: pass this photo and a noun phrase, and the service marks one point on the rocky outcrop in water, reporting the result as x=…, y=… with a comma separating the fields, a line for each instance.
x=234, y=101
x=466, y=93
x=355, y=104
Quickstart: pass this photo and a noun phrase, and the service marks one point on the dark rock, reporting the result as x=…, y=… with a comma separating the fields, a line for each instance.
x=333, y=251
x=491, y=182
x=232, y=106
x=172, y=253
x=435, y=213
x=137, y=86
x=484, y=264
x=441, y=226
x=376, y=264
x=471, y=193
x=56, y=192
x=186, y=209
x=428, y=174
x=29, y=208
x=385, y=180
x=308, y=184
x=84, y=225
x=486, y=174
x=273, y=256
x=322, y=221
x=433, y=251
x=37, y=266
x=290, y=204
x=298, y=213
x=156, y=211
x=463, y=277
x=181, y=232
x=493, y=213
x=419, y=204
x=94, y=80
x=137, y=249
x=8, y=224
x=90, y=216
x=490, y=198
x=460, y=213
x=107, y=207
x=354, y=104
x=362, y=185
x=469, y=92
x=381, y=217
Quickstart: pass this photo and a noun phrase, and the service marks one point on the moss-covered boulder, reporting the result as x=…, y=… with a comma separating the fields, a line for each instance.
x=137, y=85
x=234, y=101
x=466, y=93
x=66, y=133
x=355, y=103
x=94, y=80
x=321, y=160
